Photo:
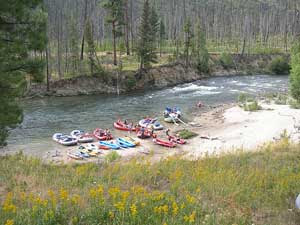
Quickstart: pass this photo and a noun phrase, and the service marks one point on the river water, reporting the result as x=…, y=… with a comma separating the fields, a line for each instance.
x=43, y=117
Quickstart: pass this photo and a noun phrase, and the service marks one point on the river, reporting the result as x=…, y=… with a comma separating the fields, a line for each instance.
x=45, y=116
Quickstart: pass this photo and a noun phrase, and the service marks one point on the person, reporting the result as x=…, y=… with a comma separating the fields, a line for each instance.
x=125, y=122
x=142, y=132
x=167, y=132
x=199, y=104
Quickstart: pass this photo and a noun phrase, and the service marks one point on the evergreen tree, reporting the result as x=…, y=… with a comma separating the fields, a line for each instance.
x=188, y=40
x=162, y=35
x=201, y=51
x=115, y=17
x=154, y=21
x=22, y=31
x=146, y=46
x=295, y=71
x=91, y=50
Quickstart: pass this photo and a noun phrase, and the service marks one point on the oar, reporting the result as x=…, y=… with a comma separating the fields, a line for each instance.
x=182, y=122
x=174, y=121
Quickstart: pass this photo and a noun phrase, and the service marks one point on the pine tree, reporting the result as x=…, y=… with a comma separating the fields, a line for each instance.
x=295, y=71
x=115, y=17
x=95, y=66
x=202, y=54
x=154, y=21
x=22, y=31
x=146, y=45
x=162, y=35
x=188, y=41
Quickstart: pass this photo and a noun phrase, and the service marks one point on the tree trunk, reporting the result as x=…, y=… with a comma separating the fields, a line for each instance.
x=84, y=24
x=126, y=27
x=114, y=42
x=48, y=73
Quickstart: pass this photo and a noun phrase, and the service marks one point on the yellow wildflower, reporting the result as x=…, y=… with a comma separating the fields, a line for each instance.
x=8, y=206
x=190, y=199
x=165, y=209
x=175, y=208
x=52, y=197
x=23, y=196
x=9, y=222
x=63, y=194
x=133, y=209
x=125, y=196
x=143, y=204
x=75, y=199
x=120, y=206
x=113, y=192
x=111, y=214
x=190, y=218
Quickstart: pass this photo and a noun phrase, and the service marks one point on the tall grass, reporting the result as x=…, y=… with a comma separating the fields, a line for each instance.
x=242, y=188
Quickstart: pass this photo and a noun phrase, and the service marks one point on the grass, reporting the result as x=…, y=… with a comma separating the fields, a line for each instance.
x=186, y=134
x=243, y=188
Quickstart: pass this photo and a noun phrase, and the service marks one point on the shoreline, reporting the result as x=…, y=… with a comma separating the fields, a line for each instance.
x=222, y=129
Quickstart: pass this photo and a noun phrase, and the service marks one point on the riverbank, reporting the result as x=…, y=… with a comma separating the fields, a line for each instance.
x=222, y=129
x=114, y=82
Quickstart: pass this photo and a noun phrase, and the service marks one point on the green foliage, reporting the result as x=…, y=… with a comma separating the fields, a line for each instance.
x=115, y=15
x=74, y=46
x=95, y=66
x=130, y=82
x=281, y=99
x=223, y=189
x=22, y=31
x=226, y=60
x=242, y=98
x=201, y=51
x=294, y=104
x=187, y=134
x=187, y=40
x=251, y=106
x=146, y=44
x=279, y=65
x=295, y=72
x=111, y=157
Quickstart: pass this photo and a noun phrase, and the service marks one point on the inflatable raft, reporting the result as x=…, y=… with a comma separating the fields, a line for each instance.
x=177, y=140
x=101, y=135
x=82, y=137
x=122, y=142
x=64, y=139
x=110, y=144
x=122, y=126
x=168, y=144
x=151, y=123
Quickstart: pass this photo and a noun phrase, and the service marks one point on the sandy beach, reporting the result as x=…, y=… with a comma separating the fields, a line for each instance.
x=221, y=129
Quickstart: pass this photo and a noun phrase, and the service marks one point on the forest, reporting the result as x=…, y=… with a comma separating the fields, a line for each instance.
x=232, y=26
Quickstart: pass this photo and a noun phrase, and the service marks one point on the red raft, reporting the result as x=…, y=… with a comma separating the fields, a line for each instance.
x=122, y=126
x=147, y=134
x=177, y=140
x=100, y=135
x=168, y=144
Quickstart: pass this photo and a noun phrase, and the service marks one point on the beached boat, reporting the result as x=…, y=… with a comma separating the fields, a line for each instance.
x=122, y=126
x=64, y=139
x=82, y=137
x=168, y=144
x=151, y=123
x=143, y=134
x=74, y=156
x=110, y=144
x=132, y=140
x=102, y=135
x=122, y=142
x=172, y=115
x=177, y=140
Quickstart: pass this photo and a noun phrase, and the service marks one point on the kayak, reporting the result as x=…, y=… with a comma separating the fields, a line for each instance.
x=122, y=126
x=168, y=144
x=132, y=140
x=74, y=156
x=81, y=136
x=177, y=140
x=126, y=143
x=64, y=139
x=111, y=144
x=140, y=135
x=82, y=154
x=151, y=123
x=100, y=135
x=91, y=150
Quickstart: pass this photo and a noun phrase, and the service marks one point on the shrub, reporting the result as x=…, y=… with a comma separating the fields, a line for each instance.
x=294, y=104
x=281, y=99
x=252, y=106
x=186, y=134
x=295, y=72
x=279, y=66
x=226, y=60
x=130, y=82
